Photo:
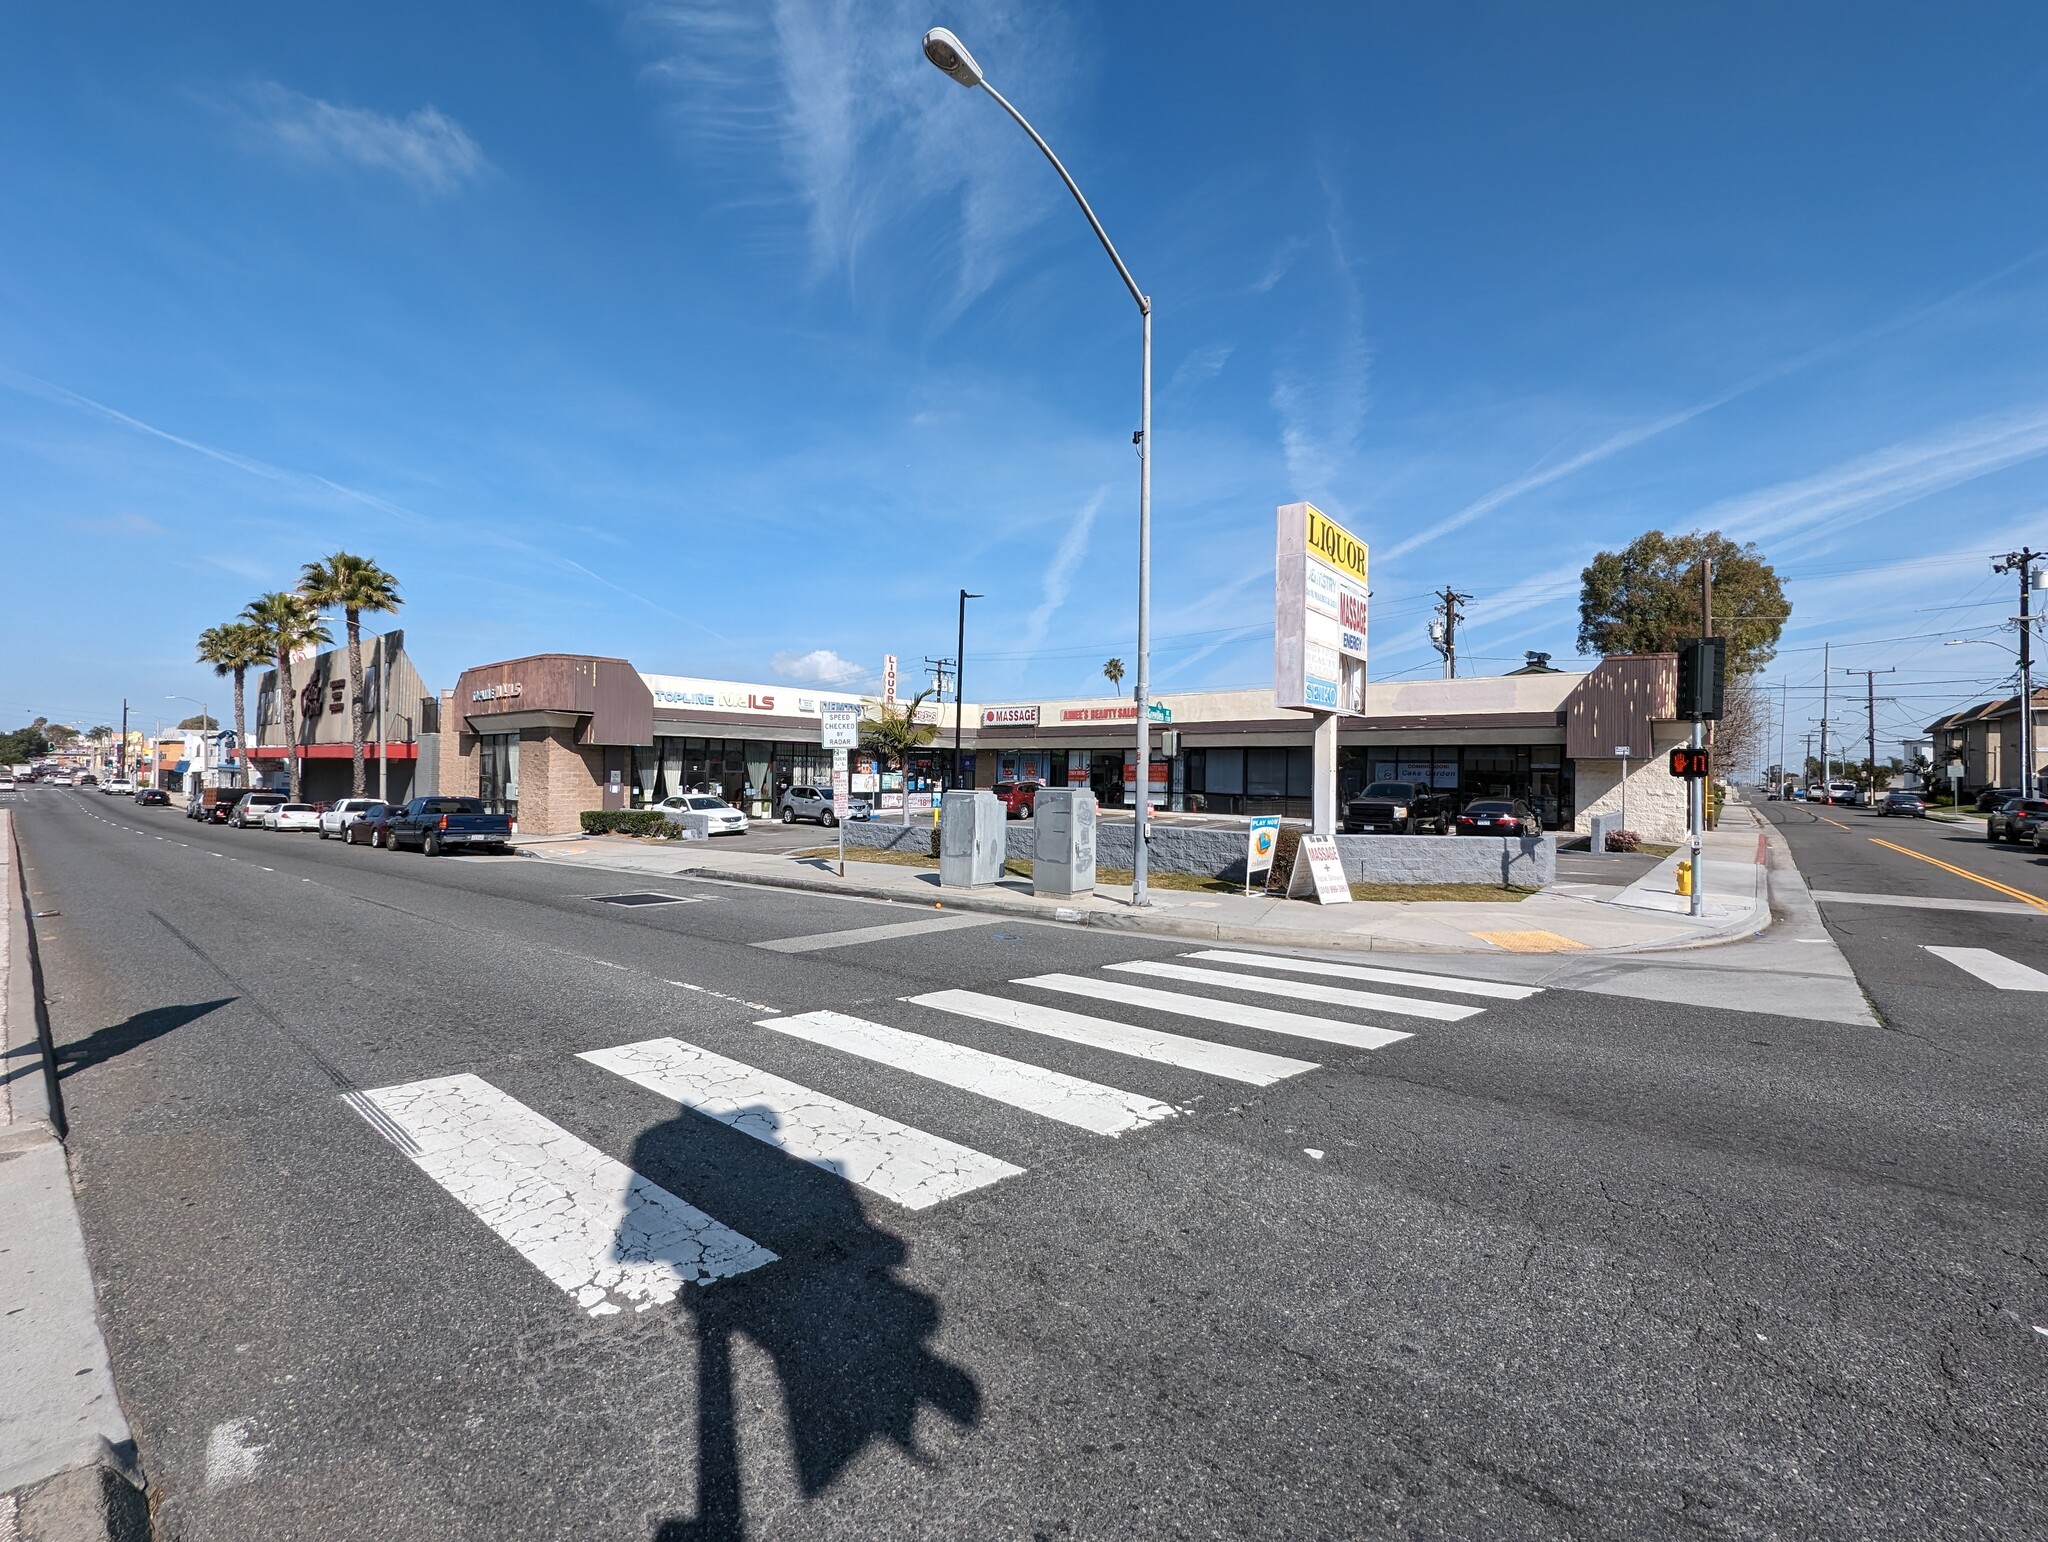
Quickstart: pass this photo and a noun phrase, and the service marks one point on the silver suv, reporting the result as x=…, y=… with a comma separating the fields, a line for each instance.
x=815, y=803
x=249, y=810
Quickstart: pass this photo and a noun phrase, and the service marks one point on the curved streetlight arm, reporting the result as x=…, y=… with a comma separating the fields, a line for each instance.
x=1144, y=301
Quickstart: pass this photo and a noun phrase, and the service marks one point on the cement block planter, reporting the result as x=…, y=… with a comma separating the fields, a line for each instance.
x=1524, y=862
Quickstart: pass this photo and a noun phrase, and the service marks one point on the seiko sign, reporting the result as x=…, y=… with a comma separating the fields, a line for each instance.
x=497, y=692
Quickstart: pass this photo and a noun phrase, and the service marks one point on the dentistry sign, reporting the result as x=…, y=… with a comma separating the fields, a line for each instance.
x=1319, y=598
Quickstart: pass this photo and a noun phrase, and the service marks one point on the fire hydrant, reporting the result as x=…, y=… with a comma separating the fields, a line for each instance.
x=1685, y=877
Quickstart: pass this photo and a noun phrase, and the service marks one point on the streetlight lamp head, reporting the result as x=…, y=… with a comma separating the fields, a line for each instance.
x=951, y=55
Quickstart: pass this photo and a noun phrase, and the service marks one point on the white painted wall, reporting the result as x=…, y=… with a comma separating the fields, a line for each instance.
x=1656, y=798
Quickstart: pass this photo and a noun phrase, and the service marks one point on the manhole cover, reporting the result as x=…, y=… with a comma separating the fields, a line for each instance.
x=643, y=899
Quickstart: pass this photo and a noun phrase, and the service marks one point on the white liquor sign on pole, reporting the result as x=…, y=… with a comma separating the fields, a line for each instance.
x=841, y=734
x=1320, y=592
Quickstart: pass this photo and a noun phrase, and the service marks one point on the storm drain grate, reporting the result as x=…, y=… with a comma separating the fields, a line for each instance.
x=643, y=899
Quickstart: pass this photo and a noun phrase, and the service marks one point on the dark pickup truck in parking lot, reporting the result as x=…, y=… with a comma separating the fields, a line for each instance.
x=1398, y=808
x=443, y=823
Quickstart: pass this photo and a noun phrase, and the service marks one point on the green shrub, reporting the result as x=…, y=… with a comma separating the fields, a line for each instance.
x=627, y=821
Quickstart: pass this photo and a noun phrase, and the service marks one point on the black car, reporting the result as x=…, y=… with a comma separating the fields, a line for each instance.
x=1398, y=808
x=1499, y=816
x=371, y=829
x=1911, y=804
x=2016, y=820
x=153, y=797
x=1995, y=797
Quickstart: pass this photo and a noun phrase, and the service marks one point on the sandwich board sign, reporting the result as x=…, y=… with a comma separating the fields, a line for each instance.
x=1319, y=870
x=1258, y=861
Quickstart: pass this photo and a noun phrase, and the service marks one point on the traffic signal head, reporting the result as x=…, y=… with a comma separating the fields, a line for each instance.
x=1689, y=762
x=1702, y=676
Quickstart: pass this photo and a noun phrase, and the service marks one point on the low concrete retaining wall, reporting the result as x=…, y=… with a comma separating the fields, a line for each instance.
x=883, y=835
x=1525, y=862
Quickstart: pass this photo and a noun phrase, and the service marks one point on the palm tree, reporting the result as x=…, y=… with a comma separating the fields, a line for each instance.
x=352, y=585
x=893, y=735
x=288, y=622
x=234, y=648
x=1114, y=669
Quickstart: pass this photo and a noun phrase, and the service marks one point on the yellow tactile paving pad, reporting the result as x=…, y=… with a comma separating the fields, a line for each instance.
x=1531, y=942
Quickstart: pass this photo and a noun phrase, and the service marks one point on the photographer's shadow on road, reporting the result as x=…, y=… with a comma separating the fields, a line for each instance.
x=848, y=1336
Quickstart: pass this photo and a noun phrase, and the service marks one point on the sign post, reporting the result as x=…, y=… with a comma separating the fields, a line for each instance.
x=840, y=732
x=1319, y=614
x=1621, y=754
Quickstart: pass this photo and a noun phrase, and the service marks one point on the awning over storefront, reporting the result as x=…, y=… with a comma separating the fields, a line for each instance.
x=330, y=752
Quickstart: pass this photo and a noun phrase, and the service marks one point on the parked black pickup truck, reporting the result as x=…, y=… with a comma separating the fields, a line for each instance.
x=439, y=824
x=1398, y=808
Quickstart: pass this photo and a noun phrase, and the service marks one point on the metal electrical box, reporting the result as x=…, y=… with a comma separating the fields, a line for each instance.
x=1063, y=864
x=973, y=836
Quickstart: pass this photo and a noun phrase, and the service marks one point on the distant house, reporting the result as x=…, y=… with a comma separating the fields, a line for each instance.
x=1985, y=740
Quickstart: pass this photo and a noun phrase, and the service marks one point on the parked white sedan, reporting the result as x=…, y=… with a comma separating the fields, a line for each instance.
x=720, y=817
x=335, y=820
x=291, y=816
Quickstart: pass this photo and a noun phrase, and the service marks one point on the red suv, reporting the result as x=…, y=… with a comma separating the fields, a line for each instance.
x=1018, y=798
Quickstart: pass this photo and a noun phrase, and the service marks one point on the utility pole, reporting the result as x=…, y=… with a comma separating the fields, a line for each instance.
x=1827, y=655
x=1806, y=761
x=1696, y=786
x=1784, y=698
x=943, y=681
x=2021, y=562
x=1870, y=708
x=1443, y=631
x=121, y=755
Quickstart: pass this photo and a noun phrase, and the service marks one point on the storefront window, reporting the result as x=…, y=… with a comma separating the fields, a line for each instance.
x=498, y=773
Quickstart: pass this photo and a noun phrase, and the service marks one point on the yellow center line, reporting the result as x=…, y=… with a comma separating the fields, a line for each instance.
x=2021, y=895
x=1839, y=825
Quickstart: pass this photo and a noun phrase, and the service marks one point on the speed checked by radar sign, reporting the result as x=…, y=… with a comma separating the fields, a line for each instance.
x=841, y=733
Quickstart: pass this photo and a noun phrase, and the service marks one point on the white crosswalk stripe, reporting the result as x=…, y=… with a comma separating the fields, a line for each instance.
x=1994, y=969
x=1053, y=1094
x=1239, y=1065
x=1302, y=990
x=1498, y=990
x=904, y=1165
x=1298, y=1024
x=592, y=1225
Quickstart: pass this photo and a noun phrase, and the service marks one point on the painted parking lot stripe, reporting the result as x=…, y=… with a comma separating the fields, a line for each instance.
x=859, y=934
x=592, y=1225
x=904, y=1165
x=1302, y=990
x=1297, y=1024
x=1457, y=987
x=1994, y=969
x=1050, y=1094
x=1239, y=1065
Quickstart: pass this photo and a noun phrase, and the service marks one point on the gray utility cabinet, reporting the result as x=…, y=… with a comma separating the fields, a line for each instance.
x=973, y=839
x=1063, y=863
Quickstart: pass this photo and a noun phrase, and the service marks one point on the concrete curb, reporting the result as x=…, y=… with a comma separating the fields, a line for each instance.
x=67, y=1458
x=1735, y=930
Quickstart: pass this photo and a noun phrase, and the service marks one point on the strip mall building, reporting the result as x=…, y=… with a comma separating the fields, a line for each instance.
x=548, y=736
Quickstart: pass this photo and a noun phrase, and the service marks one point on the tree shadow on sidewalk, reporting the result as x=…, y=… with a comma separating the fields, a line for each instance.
x=104, y=1044
x=848, y=1336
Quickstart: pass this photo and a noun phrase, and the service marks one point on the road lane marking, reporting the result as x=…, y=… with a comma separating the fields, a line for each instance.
x=904, y=1165
x=859, y=934
x=1302, y=990
x=1049, y=1094
x=1296, y=1024
x=1239, y=1065
x=1923, y=902
x=1994, y=969
x=592, y=1225
x=1989, y=883
x=1439, y=982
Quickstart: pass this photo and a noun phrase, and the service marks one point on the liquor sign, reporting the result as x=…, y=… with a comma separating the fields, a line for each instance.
x=889, y=677
x=1320, y=598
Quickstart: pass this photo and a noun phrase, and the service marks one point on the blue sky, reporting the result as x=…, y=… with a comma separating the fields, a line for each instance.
x=734, y=338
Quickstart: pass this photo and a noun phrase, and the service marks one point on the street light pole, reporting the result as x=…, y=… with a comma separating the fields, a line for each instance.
x=950, y=56
x=959, y=685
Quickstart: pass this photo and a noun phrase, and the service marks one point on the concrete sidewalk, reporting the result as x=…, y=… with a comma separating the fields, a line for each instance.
x=67, y=1461
x=1564, y=919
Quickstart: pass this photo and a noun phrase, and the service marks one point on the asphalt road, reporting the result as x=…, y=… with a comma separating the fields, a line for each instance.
x=1575, y=1265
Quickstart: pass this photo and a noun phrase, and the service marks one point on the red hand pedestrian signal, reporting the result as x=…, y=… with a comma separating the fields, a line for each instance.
x=1689, y=762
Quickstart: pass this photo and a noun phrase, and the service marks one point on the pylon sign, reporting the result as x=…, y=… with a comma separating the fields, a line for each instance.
x=1320, y=594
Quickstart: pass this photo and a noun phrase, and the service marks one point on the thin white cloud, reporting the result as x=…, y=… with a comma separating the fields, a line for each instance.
x=425, y=148
x=1278, y=264
x=1201, y=365
x=821, y=666
x=1322, y=409
x=1059, y=575
x=859, y=129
